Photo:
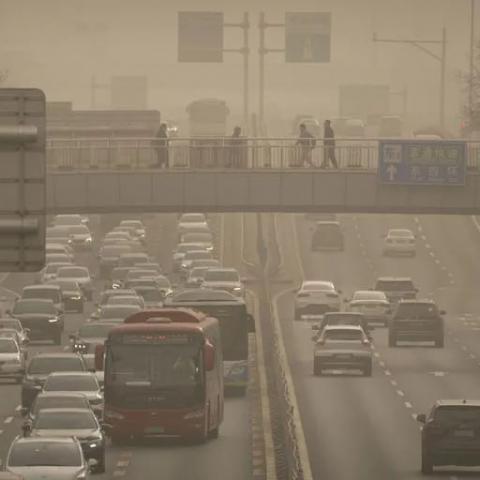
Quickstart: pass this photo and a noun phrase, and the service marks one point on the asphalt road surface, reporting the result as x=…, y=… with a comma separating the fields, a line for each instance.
x=153, y=459
x=363, y=428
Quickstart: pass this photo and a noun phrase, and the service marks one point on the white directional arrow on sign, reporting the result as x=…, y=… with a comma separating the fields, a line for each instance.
x=392, y=172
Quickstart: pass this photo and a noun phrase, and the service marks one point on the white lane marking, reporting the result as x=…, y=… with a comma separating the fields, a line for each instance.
x=8, y=420
x=399, y=392
x=432, y=254
x=437, y=261
x=408, y=405
x=423, y=237
x=381, y=363
x=438, y=374
x=475, y=222
x=394, y=382
x=414, y=416
x=464, y=348
x=428, y=246
x=473, y=356
x=377, y=354
x=387, y=373
x=416, y=220
x=18, y=408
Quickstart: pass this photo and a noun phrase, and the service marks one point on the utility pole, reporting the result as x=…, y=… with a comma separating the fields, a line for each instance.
x=245, y=51
x=262, y=51
x=472, y=59
x=442, y=58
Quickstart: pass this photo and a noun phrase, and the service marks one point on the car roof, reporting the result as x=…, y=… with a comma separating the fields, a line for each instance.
x=321, y=223
x=56, y=355
x=35, y=300
x=394, y=279
x=317, y=282
x=61, y=394
x=343, y=327
x=43, y=286
x=66, y=410
x=343, y=314
x=414, y=301
x=52, y=439
x=72, y=374
x=457, y=403
x=223, y=269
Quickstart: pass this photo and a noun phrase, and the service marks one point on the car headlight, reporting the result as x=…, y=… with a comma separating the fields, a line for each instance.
x=76, y=297
x=53, y=320
x=88, y=240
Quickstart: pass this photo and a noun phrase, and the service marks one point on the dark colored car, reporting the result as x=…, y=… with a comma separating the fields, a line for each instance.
x=41, y=317
x=450, y=434
x=72, y=295
x=396, y=288
x=416, y=320
x=80, y=423
x=327, y=236
x=41, y=365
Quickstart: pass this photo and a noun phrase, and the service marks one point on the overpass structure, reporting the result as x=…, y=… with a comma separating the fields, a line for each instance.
x=249, y=175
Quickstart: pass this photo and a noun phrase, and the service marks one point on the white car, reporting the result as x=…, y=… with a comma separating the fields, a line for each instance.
x=316, y=297
x=81, y=237
x=399, y=241
x=343, y=347
x=47, y=457
x=81, y=275
x=179, y=253
x=137, y=225
x=373, y=304
x=226, y=279
x=12, y=359
x=192, y=221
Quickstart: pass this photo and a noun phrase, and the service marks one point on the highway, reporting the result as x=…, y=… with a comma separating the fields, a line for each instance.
x=231, y=452
x=364, y=428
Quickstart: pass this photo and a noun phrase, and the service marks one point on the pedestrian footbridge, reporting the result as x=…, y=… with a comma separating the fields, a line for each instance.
x=275, y=175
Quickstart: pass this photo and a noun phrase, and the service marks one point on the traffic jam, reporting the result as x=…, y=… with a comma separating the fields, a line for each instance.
x=156, y=348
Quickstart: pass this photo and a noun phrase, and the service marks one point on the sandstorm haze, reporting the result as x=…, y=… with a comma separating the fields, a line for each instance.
x=58, y=45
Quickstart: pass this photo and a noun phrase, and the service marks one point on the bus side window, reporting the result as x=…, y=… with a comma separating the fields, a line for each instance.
x=251, y=323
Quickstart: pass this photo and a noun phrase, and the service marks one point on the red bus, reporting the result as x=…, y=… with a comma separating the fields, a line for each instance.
x=163, y=376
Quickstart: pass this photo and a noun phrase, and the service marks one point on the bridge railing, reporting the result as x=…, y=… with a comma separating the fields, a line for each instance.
x=203, y=153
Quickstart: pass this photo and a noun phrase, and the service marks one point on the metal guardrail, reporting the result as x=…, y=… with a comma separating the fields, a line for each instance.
x=203, y=153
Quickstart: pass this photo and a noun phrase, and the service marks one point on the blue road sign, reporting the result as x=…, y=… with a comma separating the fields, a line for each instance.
x=307, y=37
x=422, y=162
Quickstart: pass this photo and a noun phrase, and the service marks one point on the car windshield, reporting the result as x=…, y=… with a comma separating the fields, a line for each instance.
x=132, y=223
x=8, y=345
x=343, y=318
x=62, y=401
x=192, y=218
x=400, y=233
x=416, y=310
x=73, y=272
x=198, y=272
x=393, y=285
x=317, y=287
x=47, y=365
x=53, y=267
x=114, y=250
x=133, y=274
x=79, y=230
x=118, y=311
x=68, y=220
x=369, y=295
x=66, y=285
x=45, y=453
x=71, y=383
x=44, y=294
x=93, y=330
x=150, y=294
x=221, y=276
x=343, y=335
x=58, y=231
x=197, y=255
x=57, y=420
x=123, y=300
x=198, y=237
x=457, y=414
x=185, y=247
x=29, y=306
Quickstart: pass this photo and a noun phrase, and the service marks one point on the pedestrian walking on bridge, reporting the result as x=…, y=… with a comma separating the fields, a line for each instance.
x=161, y=145
x=329, y=146
x=306, y=141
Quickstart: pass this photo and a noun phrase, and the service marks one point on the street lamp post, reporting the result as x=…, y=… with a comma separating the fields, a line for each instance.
x=421, y=45
x=472, y=58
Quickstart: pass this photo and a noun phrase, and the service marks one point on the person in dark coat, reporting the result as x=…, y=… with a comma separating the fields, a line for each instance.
x=329, y=146
x=162, y=146
x=235, y=148
x=306, y=141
